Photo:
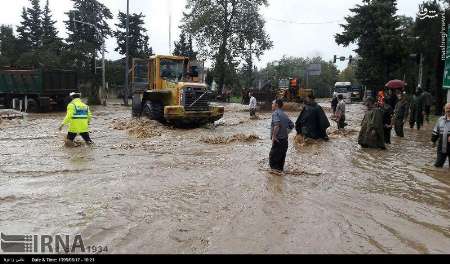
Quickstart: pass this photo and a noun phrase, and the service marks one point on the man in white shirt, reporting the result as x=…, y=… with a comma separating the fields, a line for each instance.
x=252, y=105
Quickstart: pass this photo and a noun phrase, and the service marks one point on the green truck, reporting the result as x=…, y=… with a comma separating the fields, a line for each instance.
x=36, y=90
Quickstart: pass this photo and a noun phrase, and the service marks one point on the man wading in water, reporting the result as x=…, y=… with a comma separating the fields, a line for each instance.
x=441, y=135
x=400, y=115
x=77, y=118
x=372, y=132
x=252, y=106
x=281, y=127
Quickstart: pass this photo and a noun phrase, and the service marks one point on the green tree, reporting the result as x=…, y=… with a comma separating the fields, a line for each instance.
x=441, y=93
x=38, y=43
x=35, y=16
x=429, y=30
x=376, y=29
x=222, y=28
x=286, y=67
x=85, y=41
x=138, y=42
x=30, y=29
x=348, y=75
x=49, y=32
x=24, y=32
x=8, y=46
x=409, y=68
x=253, y=40
x=184, y=47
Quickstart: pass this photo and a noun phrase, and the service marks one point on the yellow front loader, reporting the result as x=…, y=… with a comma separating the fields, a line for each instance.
x=170, y=89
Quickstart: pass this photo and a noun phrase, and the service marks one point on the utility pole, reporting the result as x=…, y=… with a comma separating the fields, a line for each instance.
x=127, y=59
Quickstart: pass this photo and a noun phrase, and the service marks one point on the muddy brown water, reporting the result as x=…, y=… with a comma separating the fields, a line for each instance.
x=176, y=193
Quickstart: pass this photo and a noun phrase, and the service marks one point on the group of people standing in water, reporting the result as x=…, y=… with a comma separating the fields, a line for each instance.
x=389, y=111
x=393, y=111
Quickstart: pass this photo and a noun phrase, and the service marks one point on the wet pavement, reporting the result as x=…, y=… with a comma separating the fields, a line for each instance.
x=208, y=190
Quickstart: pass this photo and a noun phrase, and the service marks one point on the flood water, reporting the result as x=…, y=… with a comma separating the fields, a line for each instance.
x=179, y=191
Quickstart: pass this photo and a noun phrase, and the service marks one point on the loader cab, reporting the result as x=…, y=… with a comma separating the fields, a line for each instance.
x=166, y=71
x=171, y=69
x=172, y=91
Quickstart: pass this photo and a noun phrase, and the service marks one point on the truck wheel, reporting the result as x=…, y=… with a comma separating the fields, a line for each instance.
x=154, y=110
x=33, y=106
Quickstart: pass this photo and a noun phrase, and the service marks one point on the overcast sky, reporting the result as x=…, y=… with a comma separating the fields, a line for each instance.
x=284, y=23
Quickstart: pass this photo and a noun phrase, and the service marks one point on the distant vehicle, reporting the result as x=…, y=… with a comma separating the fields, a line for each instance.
x=345, y=89
x=292, y=90
x=357, y=93
x=36, y=90
x=172, y=89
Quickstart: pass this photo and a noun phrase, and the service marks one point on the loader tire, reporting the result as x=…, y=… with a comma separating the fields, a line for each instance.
x=154, y=110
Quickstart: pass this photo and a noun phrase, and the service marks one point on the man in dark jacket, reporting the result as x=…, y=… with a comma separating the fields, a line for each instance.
x=312, y=122
x=388, y=113
x=400, y=115
x=441, y=135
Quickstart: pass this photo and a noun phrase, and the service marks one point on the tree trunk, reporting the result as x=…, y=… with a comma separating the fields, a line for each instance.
x=223, y=47
x=220, y=65
x=221, y=58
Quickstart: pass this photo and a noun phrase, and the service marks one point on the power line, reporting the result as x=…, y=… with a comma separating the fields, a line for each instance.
x=305, y=23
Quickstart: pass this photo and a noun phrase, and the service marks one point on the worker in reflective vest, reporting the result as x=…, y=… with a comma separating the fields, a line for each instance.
x=77, y=118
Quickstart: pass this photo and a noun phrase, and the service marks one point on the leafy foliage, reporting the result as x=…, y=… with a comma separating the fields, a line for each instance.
x=226, y=30
x=184, y=47
x=49, y=32
x=138, y=40
x=377, y=30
